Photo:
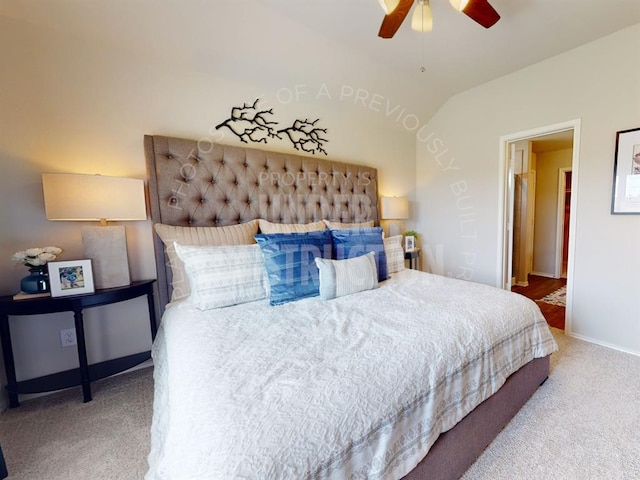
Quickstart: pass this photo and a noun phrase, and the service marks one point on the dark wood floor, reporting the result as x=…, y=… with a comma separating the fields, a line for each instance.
x=537, y=289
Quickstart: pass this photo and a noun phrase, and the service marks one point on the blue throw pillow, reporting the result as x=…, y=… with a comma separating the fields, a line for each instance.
x=353, y=242
x=290, y=262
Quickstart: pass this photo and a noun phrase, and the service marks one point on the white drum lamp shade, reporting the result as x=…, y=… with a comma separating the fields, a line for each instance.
x=79, y=197
x=395, y=208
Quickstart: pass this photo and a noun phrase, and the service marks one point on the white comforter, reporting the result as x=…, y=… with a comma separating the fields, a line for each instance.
x=352, y=388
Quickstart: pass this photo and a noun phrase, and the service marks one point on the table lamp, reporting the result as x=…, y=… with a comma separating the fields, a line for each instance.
x=79, y=197
x=395, y=208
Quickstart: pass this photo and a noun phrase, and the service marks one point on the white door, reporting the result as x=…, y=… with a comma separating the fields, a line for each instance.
x=508, y=232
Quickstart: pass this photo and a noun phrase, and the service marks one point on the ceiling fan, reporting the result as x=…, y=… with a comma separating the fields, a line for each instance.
x=397, y=10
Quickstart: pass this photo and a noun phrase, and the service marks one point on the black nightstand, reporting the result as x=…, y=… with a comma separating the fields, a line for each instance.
x=3, y=466
x=413, y=258
x=86, y=373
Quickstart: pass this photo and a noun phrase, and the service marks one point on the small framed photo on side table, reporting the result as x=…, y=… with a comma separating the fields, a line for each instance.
x=409, y=243
x=72, y=277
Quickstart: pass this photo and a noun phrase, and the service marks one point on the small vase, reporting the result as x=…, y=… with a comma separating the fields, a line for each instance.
x=36, y=282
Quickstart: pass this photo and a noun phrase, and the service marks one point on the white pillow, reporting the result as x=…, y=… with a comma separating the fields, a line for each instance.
x=241, y=234
x=343, y=277
x=224, y=275
x=394, y=252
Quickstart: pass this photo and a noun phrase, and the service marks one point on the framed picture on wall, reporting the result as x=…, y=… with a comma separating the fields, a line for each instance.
x=626, y=173
x=70, y=278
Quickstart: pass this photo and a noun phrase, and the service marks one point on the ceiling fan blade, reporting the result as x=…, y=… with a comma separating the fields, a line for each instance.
x=394, y=19
x=481, y=12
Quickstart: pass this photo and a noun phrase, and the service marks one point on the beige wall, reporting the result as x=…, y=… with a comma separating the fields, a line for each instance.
x=458, y=176
x=72, y=104
x=548, y=165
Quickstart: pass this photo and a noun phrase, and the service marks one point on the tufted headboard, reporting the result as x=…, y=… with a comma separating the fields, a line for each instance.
x=200, y=183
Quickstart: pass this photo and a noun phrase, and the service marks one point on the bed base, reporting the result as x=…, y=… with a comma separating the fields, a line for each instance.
x=456, y=450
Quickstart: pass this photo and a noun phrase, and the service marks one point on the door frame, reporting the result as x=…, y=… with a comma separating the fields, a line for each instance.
x=505, y=205
x=562, y=185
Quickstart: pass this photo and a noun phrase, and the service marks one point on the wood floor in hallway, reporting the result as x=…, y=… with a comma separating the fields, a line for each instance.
x=538, y=288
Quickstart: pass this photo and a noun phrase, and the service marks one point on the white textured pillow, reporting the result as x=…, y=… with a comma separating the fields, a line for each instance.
x=270, y=227
x=394, y=252
x=339, y=225
x=241, y=234
x=343, y=277
x=225, y=275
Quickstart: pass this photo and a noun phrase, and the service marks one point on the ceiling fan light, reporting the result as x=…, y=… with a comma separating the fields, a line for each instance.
x=459, y=5
x=388, y=6
x=422, y=20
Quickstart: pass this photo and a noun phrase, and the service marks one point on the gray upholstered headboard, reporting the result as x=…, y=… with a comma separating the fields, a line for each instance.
x=199, y=183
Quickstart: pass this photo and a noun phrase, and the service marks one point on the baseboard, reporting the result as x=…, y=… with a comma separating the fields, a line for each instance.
x=4, y=400
x=602, y=344
x=543, y=274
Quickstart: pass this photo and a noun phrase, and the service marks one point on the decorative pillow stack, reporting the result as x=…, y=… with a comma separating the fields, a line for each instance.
x=353, y=242
x=290, y=262
x=294, y=262
x=241, y=234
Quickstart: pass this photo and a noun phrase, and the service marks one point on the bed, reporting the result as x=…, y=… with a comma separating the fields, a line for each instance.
x=411, y=378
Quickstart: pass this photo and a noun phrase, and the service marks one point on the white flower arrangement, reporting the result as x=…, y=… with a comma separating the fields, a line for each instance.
x=36, y=257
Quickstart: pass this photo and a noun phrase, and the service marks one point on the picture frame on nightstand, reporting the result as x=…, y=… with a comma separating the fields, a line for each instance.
x=71, y=277
x=409, y=243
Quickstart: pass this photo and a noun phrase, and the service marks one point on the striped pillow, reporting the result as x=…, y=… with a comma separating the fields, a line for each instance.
x=269, y=227
x=241, y=234
x=394, y=252
x=338, y=225
x=344, y=277
x=225, y=275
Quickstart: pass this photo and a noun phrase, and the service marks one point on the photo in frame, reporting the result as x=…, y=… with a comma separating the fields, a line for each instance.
x=625, y=198
x=71, y=277
x=409, y=243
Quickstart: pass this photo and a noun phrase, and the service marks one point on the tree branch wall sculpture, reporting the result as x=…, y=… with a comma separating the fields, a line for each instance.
x=249, y=123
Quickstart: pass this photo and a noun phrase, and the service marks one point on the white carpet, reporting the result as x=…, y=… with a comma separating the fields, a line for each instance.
x=583, y=423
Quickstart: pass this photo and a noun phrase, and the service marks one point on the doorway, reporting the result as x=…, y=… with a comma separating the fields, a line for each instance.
x=535, y=230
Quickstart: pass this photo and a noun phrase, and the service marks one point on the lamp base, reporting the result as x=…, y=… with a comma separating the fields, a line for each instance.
x=395, y=228
x=107, y=249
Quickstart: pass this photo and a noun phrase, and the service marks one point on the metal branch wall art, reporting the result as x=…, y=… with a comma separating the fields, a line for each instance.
x=305, y=136
x=249, y=123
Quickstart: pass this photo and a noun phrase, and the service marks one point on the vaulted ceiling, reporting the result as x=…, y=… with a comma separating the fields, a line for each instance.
x=332, y=40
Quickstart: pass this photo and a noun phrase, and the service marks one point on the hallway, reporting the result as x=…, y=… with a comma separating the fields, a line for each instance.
x=538, y=288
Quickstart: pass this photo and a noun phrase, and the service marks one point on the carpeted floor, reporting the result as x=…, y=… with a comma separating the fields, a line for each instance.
x=57, y=437
x=583, y=423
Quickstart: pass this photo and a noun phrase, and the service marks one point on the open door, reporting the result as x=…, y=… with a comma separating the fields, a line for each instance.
x=563, y=221
x=508, y=231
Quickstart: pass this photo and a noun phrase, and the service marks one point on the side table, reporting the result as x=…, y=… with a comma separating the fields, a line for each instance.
x=3, y=466
x=86, y=373
x=413, y=257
